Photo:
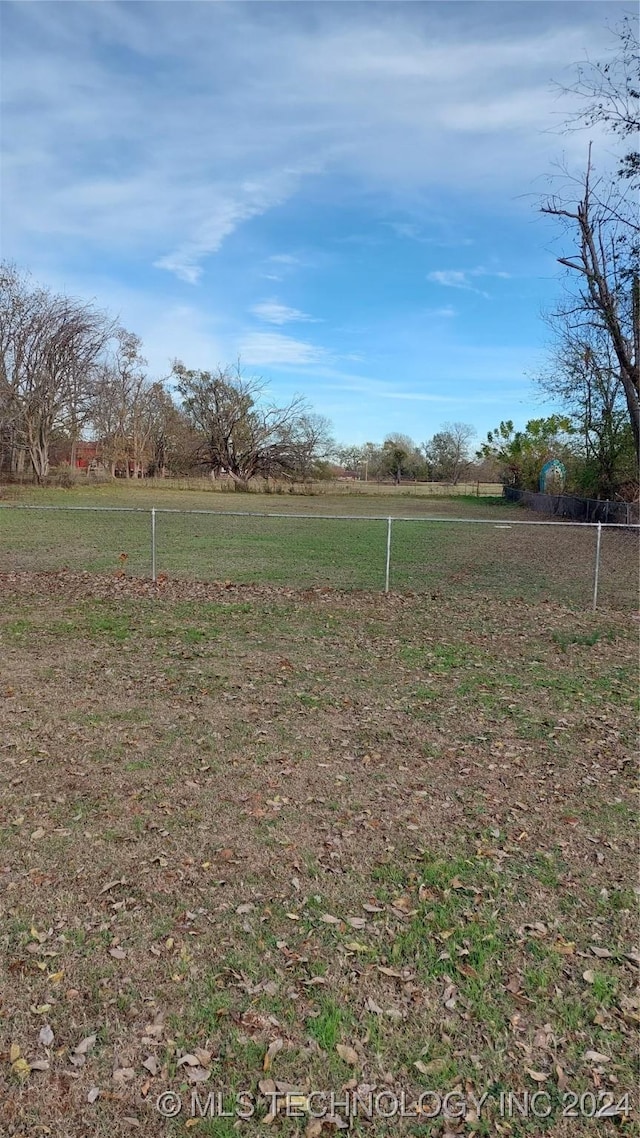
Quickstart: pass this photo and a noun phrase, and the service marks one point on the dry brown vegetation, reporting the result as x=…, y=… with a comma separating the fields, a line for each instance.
x=258, y=839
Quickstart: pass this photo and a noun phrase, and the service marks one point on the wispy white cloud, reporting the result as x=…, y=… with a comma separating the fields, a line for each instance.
x=405, y=229
x=272, y=312
x=447, y=312
x=288, y=259
x=144, y=147
x=265, y=348
x=464, y=278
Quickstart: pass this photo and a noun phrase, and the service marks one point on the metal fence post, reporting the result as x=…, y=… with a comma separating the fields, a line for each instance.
x=596, y=576
x=388, y=565
x=153, y=545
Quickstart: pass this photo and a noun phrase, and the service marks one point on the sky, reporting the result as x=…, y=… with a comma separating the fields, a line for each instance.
x=344, y=195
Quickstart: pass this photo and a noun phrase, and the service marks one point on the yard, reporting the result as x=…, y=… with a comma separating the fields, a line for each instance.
x=264, y=842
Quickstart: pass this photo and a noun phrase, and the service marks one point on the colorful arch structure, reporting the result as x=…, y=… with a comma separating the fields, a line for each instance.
x=554, y=469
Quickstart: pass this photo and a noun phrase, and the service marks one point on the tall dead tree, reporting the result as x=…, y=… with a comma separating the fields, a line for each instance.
x=602, y=224
x=599, y=215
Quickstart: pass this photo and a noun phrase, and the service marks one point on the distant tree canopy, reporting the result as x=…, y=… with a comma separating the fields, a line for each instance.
x=400, y=457
x=520, y=455
x=447, y=453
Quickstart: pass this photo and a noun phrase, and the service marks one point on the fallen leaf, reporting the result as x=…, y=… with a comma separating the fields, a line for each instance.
x=537, y=1076
x=117, y=953
x=403, y=903
x=46, y=1035
x=449, y=996
x=85, y=1045
x=596, y=1057
x=14, y=1052
x=39, y=1065
x=433, y=1067
x=123, y=1075
x=563, y=1082
x=271, y=1052
x=589, y=976
x=198, y=1075
x=565, y=947
x=348, y=1054
x=328, y=919
x=602, y=953
x=93, y=1094
x=188, y=1060
x=111, y=885
x=151, y=1064
x=21, y=1068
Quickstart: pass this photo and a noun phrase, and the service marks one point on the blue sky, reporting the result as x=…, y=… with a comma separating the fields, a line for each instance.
x=343, y=194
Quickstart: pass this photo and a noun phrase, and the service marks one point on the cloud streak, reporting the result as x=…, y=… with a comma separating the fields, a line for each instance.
x=272, y=312
x=464, y=278
x=262, y=349
x=143, y=145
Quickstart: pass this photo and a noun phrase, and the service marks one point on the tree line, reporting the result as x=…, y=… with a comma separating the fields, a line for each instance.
x=69, y=372
x=446, y=457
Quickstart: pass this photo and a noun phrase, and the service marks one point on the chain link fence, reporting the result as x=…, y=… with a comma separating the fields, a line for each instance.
x=575, y=509
x=578, y=564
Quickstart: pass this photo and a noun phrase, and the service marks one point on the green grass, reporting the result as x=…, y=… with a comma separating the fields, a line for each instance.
x=427, y=556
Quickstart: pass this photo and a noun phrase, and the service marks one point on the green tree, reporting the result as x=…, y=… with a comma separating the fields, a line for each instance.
x=584, y=377
x=447, y=453
x=401, y=457
x=520, y=455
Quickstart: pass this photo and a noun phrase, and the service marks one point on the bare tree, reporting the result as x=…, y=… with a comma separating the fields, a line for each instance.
x=47, y=342
x=599, y=215
x=601, y=221
x=243, y=436
x=121, y=413
x=609, y=94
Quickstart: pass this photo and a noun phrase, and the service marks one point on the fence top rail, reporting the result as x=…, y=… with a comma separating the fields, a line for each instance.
x=500, y=522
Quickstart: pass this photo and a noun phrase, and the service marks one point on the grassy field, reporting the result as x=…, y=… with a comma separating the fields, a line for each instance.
x=200, y=494
x=205, y=489
x=501, y=559
x=255, y=840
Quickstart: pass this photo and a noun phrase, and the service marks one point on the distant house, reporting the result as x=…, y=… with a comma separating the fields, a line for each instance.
x=85, y=458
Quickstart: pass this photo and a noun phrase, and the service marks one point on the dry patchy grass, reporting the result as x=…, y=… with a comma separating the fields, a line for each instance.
x=323, y=840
